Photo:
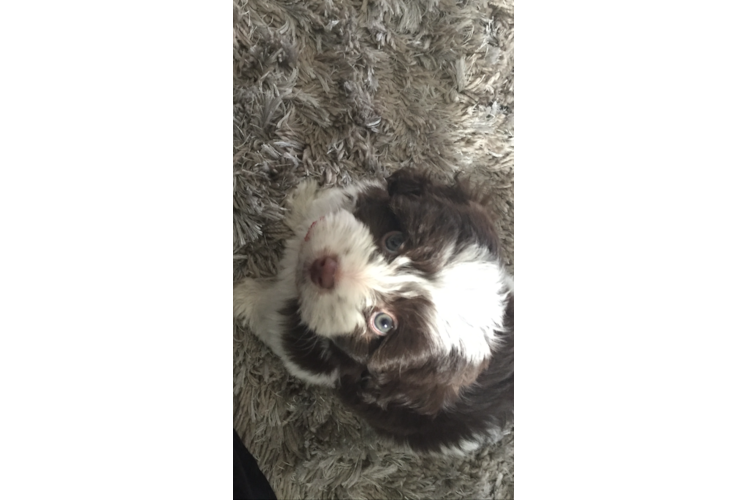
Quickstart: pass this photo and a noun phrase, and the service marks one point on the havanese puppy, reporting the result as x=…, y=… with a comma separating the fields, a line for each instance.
x=393, y=294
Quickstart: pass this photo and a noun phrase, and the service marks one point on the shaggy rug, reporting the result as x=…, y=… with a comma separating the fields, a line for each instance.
x=338, y=90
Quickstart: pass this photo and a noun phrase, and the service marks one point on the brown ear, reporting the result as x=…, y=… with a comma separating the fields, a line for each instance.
x=412, y=182
x=427, y=387
x=408, y=182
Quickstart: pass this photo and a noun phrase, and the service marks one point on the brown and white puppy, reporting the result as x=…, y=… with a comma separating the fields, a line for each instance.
x=393, y=294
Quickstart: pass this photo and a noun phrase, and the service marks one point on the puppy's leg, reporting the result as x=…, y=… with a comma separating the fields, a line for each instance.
x=300, y=202
x=309, y=202
x=252, y=307
x=256, y=306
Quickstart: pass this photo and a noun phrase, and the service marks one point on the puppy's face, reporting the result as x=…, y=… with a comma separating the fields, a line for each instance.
x=407, y=274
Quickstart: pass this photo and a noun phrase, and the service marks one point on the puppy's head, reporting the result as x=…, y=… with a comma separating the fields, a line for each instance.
x=409, y=284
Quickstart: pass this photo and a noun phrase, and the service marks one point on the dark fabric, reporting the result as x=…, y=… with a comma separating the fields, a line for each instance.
x=249, y=482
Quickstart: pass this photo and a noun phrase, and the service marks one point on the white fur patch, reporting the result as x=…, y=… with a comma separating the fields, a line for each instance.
x=470, y=295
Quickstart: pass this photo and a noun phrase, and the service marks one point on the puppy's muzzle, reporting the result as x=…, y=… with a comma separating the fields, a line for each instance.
x=323, y=272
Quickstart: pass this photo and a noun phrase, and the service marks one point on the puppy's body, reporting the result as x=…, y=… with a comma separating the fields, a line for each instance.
x=393, y=293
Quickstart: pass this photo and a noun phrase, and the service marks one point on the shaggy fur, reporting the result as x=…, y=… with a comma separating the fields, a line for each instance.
x=339, y=91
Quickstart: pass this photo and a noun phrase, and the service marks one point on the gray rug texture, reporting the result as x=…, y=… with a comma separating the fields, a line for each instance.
x=339, y=90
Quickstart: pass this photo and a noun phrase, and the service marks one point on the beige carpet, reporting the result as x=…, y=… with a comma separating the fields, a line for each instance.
x=340, y=90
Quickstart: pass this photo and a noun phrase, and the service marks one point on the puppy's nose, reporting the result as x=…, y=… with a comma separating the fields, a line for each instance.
x=323, y=271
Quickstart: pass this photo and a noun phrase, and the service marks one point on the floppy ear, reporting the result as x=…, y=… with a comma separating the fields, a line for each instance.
x=412, y=182
x=426, y=386
x=408, y=182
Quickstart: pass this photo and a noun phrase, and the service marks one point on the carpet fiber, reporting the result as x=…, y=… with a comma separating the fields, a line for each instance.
x=339, y=90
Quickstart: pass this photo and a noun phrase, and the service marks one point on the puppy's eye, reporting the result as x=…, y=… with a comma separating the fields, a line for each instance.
x=393, y=241
x=382, y=323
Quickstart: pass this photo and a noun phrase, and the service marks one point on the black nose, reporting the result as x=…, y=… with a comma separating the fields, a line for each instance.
x=322, y=272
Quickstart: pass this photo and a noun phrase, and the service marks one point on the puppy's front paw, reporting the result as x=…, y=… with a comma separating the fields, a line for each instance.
x=247, y=298
x=300, y=201
x=303, y=195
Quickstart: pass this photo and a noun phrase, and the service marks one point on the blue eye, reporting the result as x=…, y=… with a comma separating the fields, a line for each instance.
x=393, y=241
x=382, y=323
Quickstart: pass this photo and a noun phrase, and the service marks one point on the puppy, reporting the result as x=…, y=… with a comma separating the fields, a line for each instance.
x=393, y=294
